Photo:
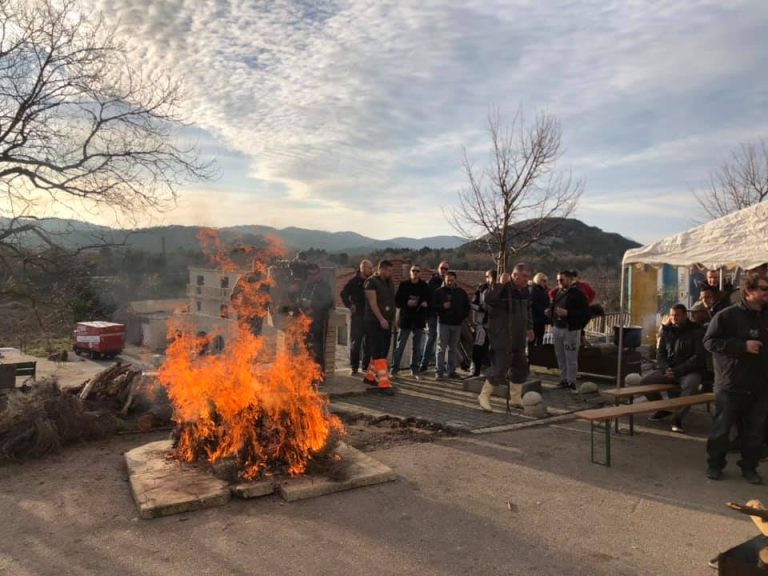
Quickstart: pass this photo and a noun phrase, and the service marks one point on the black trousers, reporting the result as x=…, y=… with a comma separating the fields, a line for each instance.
x=316, y=341
x=377, y=340
x=357, y=343
x=479, y=357
x=538, y=333
x=749, y=411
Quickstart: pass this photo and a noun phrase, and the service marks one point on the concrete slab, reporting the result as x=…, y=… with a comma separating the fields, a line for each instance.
x=362, y=471
x=163, y=487
x=255, y=489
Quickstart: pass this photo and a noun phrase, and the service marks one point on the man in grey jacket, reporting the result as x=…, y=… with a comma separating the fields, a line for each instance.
x=738, y=339
x=510, y=328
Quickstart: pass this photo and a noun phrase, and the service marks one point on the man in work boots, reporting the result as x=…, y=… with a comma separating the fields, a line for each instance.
x=510, y=328
x=380, y=310
x=737, y=337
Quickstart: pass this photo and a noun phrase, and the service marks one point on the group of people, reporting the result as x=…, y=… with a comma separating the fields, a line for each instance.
x=725, y=337
x=510, y=314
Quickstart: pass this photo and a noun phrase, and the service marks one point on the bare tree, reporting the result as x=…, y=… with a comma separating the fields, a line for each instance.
x=521, y=195
x=80, y=124
x=740, y=182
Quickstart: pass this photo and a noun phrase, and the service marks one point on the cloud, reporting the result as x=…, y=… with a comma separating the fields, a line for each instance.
x=357, y=111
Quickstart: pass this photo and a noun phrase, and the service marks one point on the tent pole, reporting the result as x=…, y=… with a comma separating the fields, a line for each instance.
x=721, y=279
x=621, y=330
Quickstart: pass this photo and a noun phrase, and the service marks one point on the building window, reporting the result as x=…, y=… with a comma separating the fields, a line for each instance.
x=201, y=280
x=225, y=282
x=199, y=305
x=224, y=311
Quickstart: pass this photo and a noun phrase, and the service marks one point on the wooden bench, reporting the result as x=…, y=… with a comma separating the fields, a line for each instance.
x=26, y=369
x=600, y=418
x=627, y=395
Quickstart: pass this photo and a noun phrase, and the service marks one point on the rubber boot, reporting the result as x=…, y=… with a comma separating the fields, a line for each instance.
x=516, y=395
x=485, y=397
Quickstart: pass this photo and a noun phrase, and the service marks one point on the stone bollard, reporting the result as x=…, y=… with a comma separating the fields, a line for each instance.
x=533, y=405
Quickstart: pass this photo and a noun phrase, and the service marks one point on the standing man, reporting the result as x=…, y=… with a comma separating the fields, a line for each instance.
x=569, y=314
x=451, y=304
x=353, y=297
x=510, y=328
x=379, y=324
x=481, y=344
x=412, y=300
x=316, y=300
x=738, y=340
x=435, y=282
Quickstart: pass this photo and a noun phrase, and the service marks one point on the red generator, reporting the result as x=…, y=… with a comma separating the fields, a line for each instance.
x=98, y=339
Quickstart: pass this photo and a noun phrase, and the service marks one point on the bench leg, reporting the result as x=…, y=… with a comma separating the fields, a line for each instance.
x=604, y=426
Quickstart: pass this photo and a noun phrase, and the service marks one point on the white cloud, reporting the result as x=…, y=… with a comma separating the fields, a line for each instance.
x=358, y=110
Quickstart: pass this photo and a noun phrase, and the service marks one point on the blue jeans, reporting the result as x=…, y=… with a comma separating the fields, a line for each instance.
x=448, y=339
x=429, y=348
x=402, y=340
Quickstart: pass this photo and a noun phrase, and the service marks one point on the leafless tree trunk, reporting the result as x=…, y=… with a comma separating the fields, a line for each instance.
x=740, y=182
x=518, y=198
x=79, y=126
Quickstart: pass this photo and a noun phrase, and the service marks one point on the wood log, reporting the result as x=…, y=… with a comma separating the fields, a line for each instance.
x=103, y=376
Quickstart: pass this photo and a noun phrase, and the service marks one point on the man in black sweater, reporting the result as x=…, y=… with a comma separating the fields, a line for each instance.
x=569, y=314
x=412, y=300
x=451, y=304
x=435, y=282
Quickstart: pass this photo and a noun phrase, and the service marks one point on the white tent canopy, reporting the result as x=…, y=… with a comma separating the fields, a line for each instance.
x=738, y=239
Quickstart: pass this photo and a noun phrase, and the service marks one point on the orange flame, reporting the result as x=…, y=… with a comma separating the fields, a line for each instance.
x=254, y=402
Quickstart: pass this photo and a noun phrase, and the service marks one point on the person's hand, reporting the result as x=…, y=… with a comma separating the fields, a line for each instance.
x=446, y=305
x=423, y=305
x=561, y=311
x=352, y=308
x=669, y=373
x=754, y=346
x=530, y=335
x=548, y=313
x=395, y=326
x=384, y=324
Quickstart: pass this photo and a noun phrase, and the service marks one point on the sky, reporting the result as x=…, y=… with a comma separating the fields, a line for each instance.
x=354, y=115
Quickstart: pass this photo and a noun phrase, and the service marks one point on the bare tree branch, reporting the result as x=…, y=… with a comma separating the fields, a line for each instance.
x=740, y=182
x=518, y=198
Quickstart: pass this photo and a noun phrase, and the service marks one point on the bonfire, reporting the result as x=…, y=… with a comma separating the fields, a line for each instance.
x=255, y=403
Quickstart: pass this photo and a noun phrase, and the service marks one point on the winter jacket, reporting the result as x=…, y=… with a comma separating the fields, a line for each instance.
x=588, y=291
x=434, y=283
x=575, y=302
x=353, y=293
x=385, y=298
x=736, y=370
x=681, y=349
x=509, y=316
x=539, y=303
x=413, y=316
x=458, y=310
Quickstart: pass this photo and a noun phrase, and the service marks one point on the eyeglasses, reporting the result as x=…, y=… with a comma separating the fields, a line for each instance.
x=416, y=270
x=443, y=268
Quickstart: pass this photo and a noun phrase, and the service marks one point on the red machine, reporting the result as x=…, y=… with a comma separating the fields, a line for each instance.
x=99, y=339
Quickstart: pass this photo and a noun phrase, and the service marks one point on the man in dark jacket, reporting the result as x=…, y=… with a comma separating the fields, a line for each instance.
x=353, y=297
x=510, y=328
x=714, y=299
x=738, y=339
x=681, y=360
x=316, y=301
x=435, y=282
x=380, y=315
x=451, y=304
x=569, y=314
x=413, y=302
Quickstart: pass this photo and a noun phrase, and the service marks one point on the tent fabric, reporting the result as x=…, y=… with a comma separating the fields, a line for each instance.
x=738, y=239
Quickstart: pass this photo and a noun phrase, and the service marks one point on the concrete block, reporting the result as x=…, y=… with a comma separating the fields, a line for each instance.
x=254, y=489
x=362, y=471
x=162, y=487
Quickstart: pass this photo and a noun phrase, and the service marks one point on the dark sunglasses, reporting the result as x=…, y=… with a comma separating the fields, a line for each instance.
x=415, y=270
x=443, y=268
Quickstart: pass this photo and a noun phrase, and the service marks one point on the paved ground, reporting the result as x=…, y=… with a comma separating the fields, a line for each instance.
x=516, y=502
